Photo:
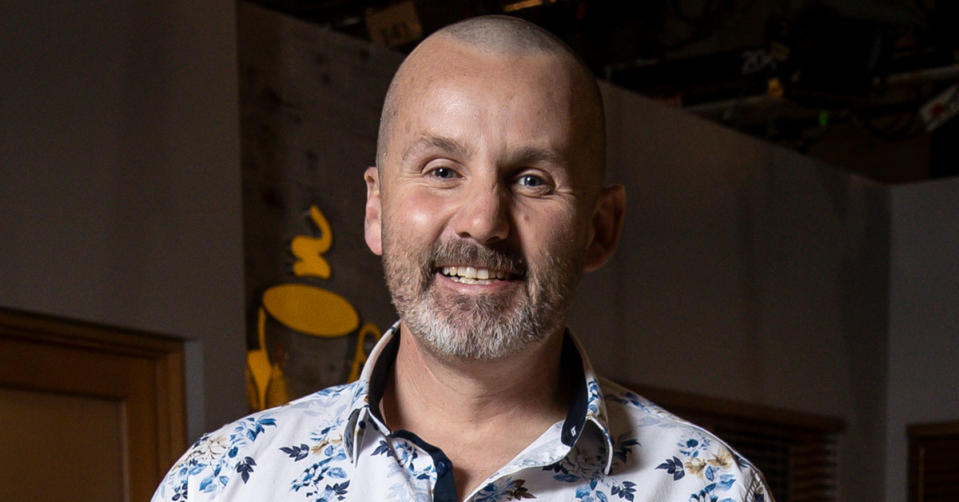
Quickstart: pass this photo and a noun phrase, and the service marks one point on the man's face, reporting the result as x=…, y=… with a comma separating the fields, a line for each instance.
x=484, y=201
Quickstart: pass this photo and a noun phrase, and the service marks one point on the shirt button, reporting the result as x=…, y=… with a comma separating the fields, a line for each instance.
x=440, y=468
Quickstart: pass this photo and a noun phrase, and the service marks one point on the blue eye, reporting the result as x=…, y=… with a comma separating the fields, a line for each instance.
x=528, y=180
x=443, y=172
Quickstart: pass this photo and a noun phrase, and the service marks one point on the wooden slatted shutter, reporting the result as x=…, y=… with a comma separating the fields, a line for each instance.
x=933, y=465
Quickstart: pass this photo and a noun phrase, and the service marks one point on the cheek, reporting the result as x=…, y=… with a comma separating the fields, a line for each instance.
x=420, y=216
x=416, y=216
x=548, y=230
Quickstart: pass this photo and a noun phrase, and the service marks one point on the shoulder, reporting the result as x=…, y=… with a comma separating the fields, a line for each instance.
x=685, y=458
x=624, y=404
x=218, y=458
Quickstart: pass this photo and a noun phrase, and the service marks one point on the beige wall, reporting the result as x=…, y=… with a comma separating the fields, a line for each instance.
x=120, y=191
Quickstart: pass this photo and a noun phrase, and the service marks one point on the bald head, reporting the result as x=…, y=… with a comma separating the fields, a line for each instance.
x=506, y=34
x=498, y=37
x=490, y=159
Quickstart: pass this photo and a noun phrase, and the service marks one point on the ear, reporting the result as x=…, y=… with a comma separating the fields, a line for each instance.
x=605, y=226
x=372, y=225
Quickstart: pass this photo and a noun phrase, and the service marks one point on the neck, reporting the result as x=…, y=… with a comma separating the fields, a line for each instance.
x=429, y=389
x=480, y=413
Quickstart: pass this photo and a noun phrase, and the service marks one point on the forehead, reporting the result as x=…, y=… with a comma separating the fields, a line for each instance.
x=454, y=90
x=459, y=76
x=446, y=58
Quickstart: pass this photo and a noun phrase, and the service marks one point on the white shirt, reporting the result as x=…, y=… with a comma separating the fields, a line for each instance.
x=332, y=446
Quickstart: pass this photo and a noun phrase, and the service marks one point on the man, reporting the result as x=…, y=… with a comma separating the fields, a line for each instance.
x=487, y=204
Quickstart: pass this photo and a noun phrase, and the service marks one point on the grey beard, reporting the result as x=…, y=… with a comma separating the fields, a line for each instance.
x=479, y=327
x=474, y=330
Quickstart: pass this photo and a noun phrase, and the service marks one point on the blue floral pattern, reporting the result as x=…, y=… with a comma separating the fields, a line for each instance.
x=330, y=447
x=503, y=490
x=714, y=465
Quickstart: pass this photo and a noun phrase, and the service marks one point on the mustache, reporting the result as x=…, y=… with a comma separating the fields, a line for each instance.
x=461, y=252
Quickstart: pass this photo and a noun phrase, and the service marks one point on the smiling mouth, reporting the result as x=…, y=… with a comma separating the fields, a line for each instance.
x=476, y=275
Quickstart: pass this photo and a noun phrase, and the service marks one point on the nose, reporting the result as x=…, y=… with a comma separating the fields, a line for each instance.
x=483, y=214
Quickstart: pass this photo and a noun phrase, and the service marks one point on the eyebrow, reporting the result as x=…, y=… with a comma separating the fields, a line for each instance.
x=447, y=145
x=529, y=155
x=526, y=155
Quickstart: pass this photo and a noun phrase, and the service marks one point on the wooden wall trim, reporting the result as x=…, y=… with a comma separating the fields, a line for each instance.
x=68, y=332
x=950, y=428
x=678, y=401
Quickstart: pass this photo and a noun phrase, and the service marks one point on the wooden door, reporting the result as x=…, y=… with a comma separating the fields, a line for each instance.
x=87, y=412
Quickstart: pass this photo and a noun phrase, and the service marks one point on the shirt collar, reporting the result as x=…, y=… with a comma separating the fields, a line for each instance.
x=587, y=407
x=373, y=377
x=595, y=404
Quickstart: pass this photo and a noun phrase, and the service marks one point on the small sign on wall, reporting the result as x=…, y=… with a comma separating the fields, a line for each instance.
x=395, y=25
x=940, y=108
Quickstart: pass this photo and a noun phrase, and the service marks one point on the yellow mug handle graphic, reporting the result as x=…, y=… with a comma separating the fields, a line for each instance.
x=309, y=250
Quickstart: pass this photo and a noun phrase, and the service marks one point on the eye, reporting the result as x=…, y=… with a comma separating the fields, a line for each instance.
x=531, y=181
x=442, y=173
x=534, y=183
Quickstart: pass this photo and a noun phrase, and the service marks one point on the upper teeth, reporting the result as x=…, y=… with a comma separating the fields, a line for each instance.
x=473, y=273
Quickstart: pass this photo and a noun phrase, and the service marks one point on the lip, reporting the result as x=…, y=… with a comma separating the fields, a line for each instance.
x=488, y=287
x=477, y=272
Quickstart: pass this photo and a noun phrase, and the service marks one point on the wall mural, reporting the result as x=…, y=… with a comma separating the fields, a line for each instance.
x=316, y=300
x=308, y=310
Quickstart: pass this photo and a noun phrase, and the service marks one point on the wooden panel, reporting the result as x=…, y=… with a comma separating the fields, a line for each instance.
x=310, y=104
x=59, y=447
x=138, y=374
